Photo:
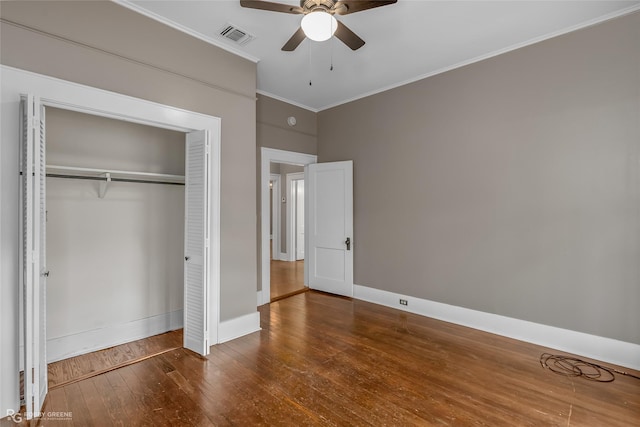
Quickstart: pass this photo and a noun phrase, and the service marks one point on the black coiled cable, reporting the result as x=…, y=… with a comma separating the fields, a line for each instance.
x=572, y=367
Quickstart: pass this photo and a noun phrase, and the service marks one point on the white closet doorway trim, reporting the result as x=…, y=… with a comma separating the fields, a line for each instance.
x=84, y=99
x=268, y=156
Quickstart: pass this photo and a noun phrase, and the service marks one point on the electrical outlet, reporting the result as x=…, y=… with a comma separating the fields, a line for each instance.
x=404, y=302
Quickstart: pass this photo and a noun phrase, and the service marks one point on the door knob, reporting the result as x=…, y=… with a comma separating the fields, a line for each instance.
x=348, y=243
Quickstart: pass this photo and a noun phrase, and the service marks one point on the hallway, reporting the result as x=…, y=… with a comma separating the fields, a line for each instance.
x=287, y=279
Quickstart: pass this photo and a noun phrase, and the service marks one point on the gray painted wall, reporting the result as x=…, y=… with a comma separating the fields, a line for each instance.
x=510, y=186
x=274, y=132
x=104, y=45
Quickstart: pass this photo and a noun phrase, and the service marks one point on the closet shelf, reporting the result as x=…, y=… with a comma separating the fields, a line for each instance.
x=105, y=176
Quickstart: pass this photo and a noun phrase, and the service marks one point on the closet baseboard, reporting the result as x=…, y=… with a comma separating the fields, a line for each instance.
x=99, y=339
x=238, y=327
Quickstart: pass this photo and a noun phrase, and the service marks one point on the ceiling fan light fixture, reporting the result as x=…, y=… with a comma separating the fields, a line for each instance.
x=319, y=25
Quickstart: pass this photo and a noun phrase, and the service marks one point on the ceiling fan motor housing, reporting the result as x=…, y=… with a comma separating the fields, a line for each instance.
x=329, y=6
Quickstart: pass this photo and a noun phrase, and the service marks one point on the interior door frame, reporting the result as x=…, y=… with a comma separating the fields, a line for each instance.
x=276, y=218
x=292, y=209
x=67, y=95
x=268, y=156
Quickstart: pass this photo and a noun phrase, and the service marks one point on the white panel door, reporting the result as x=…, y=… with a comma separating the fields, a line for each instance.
x=196, y=244
x=33, y=254
x=330, y=227
x=299, y=192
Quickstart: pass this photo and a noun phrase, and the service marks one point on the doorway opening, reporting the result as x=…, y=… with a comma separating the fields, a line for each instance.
x=283, y=243
x=114, y=247
x=286, y=186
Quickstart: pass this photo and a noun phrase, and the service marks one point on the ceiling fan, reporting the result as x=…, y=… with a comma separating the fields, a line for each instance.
x=319, y=22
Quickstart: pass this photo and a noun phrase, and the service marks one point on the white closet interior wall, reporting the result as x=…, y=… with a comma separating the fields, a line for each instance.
x=116, y=263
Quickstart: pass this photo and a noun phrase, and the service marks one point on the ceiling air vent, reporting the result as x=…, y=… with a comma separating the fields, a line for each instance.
x=236, y=35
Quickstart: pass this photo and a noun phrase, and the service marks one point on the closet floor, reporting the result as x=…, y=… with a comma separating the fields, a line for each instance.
x=77, y=368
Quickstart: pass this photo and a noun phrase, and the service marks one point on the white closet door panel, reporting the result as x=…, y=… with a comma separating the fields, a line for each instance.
x=41, y=174
x=33, y=254
x=196, y=266
x=27, y=245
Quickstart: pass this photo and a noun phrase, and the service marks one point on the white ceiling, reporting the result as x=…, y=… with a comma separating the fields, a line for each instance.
x=406, y=41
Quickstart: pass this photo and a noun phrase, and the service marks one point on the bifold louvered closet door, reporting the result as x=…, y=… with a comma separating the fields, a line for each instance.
x=196, y=245
x=33, y=254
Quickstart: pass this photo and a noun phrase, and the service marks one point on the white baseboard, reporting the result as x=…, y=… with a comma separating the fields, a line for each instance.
x=259, y=298
x=283, y=256
x=240, y=326
x=98, y=339
x=591, y=346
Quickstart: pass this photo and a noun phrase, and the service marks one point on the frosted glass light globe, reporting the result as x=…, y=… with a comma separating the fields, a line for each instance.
x=319, y=26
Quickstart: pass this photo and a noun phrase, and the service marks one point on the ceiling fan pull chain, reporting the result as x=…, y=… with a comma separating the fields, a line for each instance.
x=331, y=47
x=309, y=51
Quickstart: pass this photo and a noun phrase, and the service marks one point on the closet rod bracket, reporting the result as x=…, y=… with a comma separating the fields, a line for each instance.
x=104, y=185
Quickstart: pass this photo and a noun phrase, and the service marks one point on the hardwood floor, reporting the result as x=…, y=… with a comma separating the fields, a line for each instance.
x=87, y=365
x=331, y=361
x=287, y=279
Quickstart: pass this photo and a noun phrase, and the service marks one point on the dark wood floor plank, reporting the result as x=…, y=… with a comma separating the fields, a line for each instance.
x=123, y=405
x=55, y=412
x=284, y=374
x=287, y=278
x=77, y=405
x=271, y=404
x=145, y=398
x=211, y=390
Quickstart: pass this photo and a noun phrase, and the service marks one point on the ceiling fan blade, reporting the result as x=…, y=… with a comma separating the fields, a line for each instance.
x=270, y=6
x=348, y=37
x=294, y=41
x=345, y=7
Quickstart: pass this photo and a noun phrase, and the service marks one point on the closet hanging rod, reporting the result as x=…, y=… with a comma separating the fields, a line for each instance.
x=114, y=174
x=102, y=178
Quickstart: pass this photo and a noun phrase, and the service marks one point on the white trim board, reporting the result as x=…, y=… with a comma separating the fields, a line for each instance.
x=591, y=346
x=259, y=298
x=268, y=155
x=73, y=96
x=275, y=217
x=238, y=327
x=291, y=210
x=98, y=339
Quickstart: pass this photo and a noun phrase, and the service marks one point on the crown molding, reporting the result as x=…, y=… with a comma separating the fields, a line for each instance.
x=218, y=43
